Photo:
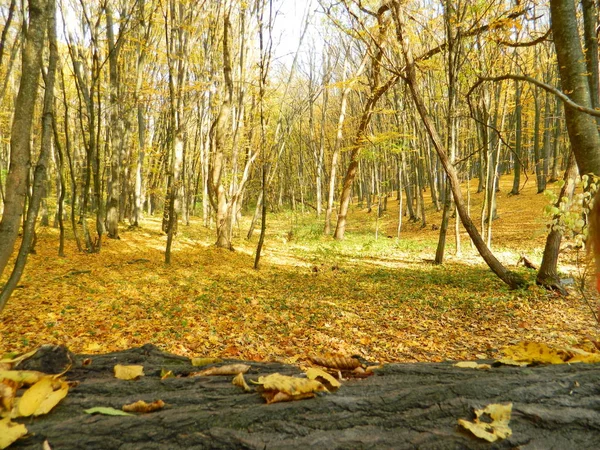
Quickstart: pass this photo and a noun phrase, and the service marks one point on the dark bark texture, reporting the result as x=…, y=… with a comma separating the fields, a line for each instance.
x=403, y=406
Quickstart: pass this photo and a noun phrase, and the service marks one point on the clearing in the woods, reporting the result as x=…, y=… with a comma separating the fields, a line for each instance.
x=381, y=298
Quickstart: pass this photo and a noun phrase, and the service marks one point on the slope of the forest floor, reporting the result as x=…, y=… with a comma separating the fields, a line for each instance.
x=371, y=295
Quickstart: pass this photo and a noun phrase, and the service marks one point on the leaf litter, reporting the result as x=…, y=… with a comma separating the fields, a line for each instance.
x=381, y=302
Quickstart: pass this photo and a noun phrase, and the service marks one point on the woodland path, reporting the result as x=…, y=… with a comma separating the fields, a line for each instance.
x=402, y=406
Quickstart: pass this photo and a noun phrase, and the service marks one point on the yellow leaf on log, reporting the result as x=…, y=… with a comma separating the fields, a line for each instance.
x=41, y=397
x=290, y=385
x=128, y=372
x=23, y=377
x=323, y=377
x=10, y=432
x=497, y=429
x=52, y=399
x=240, y=381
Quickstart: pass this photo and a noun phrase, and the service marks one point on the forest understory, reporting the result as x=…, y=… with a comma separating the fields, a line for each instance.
x=370, y=295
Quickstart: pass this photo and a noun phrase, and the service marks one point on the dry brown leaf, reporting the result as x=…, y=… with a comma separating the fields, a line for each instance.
x=240, y=381
x=128, y=372
x=142, y=407
x=10, y=432
x=230, y=369
x=497, y=429
x=326, y=379
x=336, y=362
x=8, y=391
x=372, y=369
x=278, y=396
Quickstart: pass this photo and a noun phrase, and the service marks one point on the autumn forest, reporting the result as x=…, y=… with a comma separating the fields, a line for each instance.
x=265, y=179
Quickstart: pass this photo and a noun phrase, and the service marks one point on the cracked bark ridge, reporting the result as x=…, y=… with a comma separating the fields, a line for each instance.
x=403, y=406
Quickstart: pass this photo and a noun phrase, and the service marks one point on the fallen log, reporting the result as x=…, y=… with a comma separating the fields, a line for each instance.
x=402, y=406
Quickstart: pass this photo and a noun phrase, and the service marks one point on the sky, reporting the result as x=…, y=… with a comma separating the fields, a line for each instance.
x=288, y=27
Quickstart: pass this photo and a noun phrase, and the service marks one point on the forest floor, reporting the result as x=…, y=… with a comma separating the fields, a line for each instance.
x=375, y=296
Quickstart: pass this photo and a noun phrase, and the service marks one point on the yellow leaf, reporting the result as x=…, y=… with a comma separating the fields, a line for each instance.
x=290, y=385
x=10, y=432
x=198, y=362
x=240, y=381
x=128, y=372
x=34, y=397
x=472, y=365
x=52, y=399
x=14, y=361
x=581, y=356
x=536, y=352
x=497, y=429
x=315, y=374
x=510, y=362
x=22, y=376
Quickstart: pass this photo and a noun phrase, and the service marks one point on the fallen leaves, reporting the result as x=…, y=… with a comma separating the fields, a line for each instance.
x=323, y=377
x=455, y=312
x=490, y=431
x=525, y=353
x=472, y=365
x=240, y=381
x=10, y=432
x=42, y=397
x=132, y=372
x=283, y=388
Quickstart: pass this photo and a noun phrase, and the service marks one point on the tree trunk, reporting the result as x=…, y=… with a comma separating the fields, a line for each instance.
x=512, y=279
x=20, y=137
x=43, y=18
x=548, y=274
x=516, y=188
x=582, y=128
